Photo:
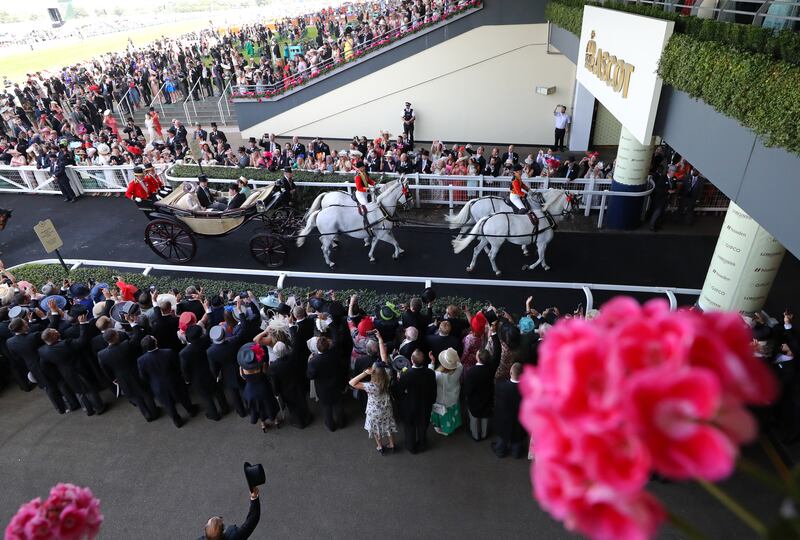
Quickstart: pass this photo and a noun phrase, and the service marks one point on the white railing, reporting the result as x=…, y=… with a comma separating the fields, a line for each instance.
x=426, y=281
x=84, y=179
x=776, y=14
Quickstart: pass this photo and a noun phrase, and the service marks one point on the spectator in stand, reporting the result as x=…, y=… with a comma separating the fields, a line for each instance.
x=562, y=121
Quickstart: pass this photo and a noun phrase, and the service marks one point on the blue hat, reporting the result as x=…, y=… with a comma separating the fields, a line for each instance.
x=526, y=325
x=61, y=302
x=246, y=357
x=97, y=291
x=78, y=290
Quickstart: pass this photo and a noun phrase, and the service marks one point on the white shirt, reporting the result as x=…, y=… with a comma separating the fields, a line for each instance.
x=562, y=119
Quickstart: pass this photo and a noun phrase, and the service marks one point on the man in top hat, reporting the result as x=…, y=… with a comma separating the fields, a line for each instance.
x=216, y=135
x=417, y=394
x=408, y=122
x=58, y=171
x=215, y=528
x=205, y=195
x=518, y=193
x=511, y=436
x=137, y=189
x=118, y=362
x=286, y=188
x=151, y=180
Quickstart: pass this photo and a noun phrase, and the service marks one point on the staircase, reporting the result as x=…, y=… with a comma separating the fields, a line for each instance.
x=204, y=111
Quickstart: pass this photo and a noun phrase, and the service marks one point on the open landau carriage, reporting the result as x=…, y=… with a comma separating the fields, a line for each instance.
x=173, y=229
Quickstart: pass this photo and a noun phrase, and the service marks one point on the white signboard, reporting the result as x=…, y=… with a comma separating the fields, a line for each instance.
x=617, y=63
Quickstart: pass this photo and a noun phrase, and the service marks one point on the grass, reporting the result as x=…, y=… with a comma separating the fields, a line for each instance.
x=16, y=66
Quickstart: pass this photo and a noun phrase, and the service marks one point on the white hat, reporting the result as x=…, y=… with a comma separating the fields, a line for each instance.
x=449, y=359
x=103, y=149
x=169, y=298
x=107, y=113
x=356, y=153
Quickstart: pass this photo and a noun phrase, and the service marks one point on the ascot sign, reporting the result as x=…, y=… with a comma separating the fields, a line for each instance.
x=617, y=63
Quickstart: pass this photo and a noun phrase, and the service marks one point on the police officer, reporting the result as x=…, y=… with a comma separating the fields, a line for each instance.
x=408, y=122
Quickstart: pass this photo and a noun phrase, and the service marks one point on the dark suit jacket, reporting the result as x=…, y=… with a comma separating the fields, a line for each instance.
x=222, y=359
x=160, y=370
x=118, y=362
x=65, y=357
x=437, y=343
x=693, y=193
x=232, y=532
x=479, y=390
x=25, y=348
x=417, y=391
x=195, y=367
x=236, y=201
x=418, y=319
x=205, y=199
x=165, y=330
x=329, y=374
x=506, y=411
x=514, y=158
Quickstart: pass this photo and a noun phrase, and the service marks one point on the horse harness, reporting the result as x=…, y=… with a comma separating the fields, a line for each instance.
x=548, y=217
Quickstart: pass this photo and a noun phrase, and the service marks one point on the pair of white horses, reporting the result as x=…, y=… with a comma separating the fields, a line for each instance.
x=494, y=220
x=496, y=223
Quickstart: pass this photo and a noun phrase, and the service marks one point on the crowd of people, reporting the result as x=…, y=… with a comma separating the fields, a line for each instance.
x=407, y=366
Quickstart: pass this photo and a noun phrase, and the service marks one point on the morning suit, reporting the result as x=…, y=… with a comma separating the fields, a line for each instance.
x=159, y=368
x=417, y=393
x=118, y=363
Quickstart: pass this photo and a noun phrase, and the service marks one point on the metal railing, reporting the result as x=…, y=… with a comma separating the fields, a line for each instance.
x=776, y=14
x=282, y=276
x=189, y=98
x=224, y=99
x=127, y=102
x=304, y=76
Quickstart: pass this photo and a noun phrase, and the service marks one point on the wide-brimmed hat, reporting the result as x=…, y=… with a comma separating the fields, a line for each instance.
x=254, y=474
x=121, y=309
x=103, y=149
x=17, y=311
x=61, y=302
x=389, y=312
x=449, y=359
x=400, y=362
x=189, y=187
x=79, y=290
x=169, y=298
x=96, y=293
x=250, y=356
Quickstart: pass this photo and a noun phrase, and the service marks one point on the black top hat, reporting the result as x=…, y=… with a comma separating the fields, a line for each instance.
x=77, y=310
x=283, y=309
x=120, y=309
x=255, y=475
x=287, y=169
x=194, y=333
x=428, y=295
x=517, y=167
x=252, y=139
x=490, y=314
x=202, y=178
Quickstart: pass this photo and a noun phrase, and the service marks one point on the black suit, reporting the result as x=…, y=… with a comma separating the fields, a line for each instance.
x=118, y=363
x=691, y=194
x=25, y=347
x=159, y=368
x=196, y=371
x=289, y=384
x=329, y=374
x=64, y=355
x=236, y=201
x=205, y=197
x=222, y=360
x=510, y=433
x=506, y=156
x=232, y=532
x=417, y=392
x=437, y=343
x=165, y=329
x=16, y=366
x=479, y=395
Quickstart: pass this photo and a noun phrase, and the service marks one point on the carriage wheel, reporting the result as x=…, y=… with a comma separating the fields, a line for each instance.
x=286, y=220
x=170, y=240
x=268, y=249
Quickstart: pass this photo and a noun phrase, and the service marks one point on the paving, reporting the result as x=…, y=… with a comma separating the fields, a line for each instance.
x=159, y=482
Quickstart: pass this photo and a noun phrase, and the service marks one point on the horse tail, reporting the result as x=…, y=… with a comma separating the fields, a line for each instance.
x=311, y=222
x=463, y=217
x=316, y=205
x=460, y=244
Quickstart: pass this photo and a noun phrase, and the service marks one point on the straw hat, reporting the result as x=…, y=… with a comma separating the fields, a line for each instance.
x=449, y=358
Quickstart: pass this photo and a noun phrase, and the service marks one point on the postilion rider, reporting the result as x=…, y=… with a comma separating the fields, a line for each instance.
x=363, y=185
x=518, y=194
x=143, y=187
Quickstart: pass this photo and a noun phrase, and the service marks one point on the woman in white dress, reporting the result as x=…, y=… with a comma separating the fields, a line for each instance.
x=151, y=132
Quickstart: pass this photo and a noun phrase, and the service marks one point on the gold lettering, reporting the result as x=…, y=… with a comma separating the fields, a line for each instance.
x=612, y=70
x=629, y=69
x=604, y=67
x=591, y=49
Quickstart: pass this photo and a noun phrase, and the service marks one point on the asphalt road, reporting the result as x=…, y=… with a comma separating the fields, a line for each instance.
x=110, y=228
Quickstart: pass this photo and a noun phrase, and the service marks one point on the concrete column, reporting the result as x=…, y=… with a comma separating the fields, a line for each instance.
x=743, y=267
x=630, y=175
x=582, y=115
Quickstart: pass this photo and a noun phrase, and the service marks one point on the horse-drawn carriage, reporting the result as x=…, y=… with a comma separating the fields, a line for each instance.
x=174, y=228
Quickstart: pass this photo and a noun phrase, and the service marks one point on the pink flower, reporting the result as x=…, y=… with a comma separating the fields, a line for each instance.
x=72, y=522
x=634, y=518
x=673, y=412
x=16, y=528
x=39, y=528
x=615, y=459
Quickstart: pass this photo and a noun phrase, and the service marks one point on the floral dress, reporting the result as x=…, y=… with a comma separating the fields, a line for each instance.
x=380, y=420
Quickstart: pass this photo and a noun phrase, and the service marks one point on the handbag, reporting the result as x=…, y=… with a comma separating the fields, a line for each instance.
x=439, y=409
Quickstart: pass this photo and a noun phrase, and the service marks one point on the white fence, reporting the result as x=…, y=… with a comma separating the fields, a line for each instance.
x=92, y=179
x=428, y=189
x=282, y=276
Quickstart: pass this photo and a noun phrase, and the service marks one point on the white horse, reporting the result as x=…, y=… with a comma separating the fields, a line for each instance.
x=496, y=229
x=479, y=208
x=334, y=220
x=337, y=198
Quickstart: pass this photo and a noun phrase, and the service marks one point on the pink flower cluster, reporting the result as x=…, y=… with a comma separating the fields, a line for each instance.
x=637, y=390
x=69, y=513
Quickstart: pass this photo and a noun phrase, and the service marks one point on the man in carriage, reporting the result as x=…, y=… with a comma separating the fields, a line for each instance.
x=286, y=188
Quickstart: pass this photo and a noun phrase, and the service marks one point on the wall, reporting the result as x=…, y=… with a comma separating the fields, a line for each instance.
x=606, y=128
x=479, y=86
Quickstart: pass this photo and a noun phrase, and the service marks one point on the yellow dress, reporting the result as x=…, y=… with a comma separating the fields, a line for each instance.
x=348, y=50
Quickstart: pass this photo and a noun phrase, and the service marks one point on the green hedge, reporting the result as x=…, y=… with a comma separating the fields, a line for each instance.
x=783, y=45
x=39, y=274
x=761, y=93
